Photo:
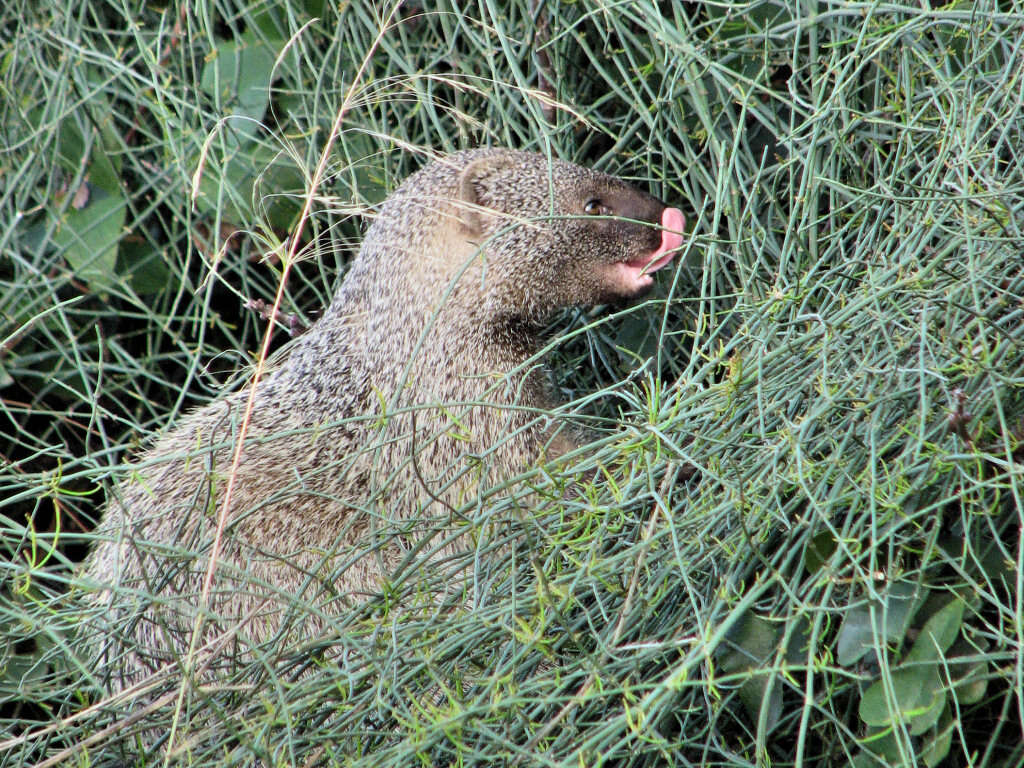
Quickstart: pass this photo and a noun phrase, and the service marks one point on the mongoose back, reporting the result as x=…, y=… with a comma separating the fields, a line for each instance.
x=414, y=391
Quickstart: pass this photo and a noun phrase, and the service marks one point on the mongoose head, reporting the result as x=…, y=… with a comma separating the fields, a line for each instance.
x=553, y=234
x=500, y=237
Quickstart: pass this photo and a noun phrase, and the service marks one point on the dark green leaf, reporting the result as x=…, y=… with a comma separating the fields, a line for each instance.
x=937, y=747
x=237, y=78
x=917, y=697
x=938, y=633
x=88, y=237
x=866, y=627
x=819, y=550
x=970, y=689
x=752, y=643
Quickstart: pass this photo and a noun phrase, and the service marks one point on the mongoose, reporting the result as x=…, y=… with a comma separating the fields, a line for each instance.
x=437, y=325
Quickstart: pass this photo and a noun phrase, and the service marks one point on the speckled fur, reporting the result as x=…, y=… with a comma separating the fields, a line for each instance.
x=442, y=306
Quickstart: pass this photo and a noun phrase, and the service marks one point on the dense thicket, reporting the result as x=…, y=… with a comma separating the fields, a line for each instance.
x=801, y=543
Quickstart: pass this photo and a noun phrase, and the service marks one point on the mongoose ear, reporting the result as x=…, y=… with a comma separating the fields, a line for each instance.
x=474, y=174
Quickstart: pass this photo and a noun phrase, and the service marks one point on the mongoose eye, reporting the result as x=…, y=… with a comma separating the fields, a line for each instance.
x=596, y=208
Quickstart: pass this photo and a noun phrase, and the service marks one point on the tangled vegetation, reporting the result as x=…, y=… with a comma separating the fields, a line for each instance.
x=799, y=539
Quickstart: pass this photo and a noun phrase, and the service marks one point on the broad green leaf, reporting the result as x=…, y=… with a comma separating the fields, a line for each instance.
x=89, y=237
x=864, y=759
x=143, y=266
x=880, y=744
x=819, y=550
x=636, y=339
x=752, y=643
x=272, y=18
x=799, y=639
x=987, y=562
x=226, y=188
x=922, y=721
x=280, y=186
x=972, y=686
x=91, y=226
x=938, y=633
x=102, y=146
x=759, y=690
x=937, y=747
x=237, y=77
x=918, y=695
x=253, y=175
x=861, y=631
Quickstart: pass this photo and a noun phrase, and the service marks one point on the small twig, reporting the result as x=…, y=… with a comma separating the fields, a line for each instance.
x=543, y=60
x=177, y=32
x=267, y=312
x=959, y=418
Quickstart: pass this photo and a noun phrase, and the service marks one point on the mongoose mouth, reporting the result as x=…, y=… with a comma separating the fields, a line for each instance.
x=636, y=275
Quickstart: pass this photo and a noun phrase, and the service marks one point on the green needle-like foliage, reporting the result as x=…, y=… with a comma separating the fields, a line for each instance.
x=798, y=540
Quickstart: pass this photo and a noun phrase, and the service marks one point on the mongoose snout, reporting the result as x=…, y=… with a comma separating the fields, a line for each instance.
x=637, y=273
x=373, y=447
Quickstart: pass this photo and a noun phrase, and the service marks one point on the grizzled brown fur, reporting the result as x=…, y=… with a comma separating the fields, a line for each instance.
x=440, y=311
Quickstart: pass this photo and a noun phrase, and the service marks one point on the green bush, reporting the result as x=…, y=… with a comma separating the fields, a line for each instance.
x=801, y=541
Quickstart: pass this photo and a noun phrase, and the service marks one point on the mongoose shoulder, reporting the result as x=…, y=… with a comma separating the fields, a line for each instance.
x=416, y=389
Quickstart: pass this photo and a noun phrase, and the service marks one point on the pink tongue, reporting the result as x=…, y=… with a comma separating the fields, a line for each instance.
x=673, y=222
